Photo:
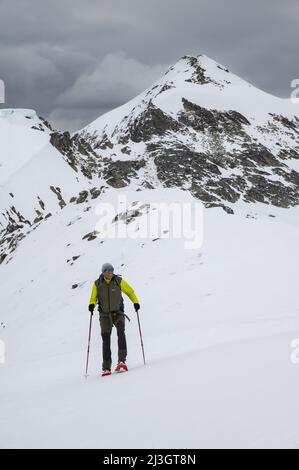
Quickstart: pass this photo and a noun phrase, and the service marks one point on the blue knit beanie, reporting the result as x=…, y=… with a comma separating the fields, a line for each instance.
x=107, y=268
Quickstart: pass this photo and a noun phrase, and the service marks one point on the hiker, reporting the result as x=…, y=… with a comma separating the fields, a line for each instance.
x=107, y=292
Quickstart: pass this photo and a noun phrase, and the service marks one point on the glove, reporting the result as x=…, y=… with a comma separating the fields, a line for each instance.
x=91, y=308
x=137, y=307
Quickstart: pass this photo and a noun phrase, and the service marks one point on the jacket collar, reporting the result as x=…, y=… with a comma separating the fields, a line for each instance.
x=102, y=278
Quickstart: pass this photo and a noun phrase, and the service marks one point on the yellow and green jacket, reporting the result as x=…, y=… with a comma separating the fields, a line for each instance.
x=107, y=293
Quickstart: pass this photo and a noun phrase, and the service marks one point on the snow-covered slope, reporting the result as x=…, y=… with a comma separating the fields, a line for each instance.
x=35, y=180
x=30, y=164
x=19, y=140
x=217, y=320
x=217, y=327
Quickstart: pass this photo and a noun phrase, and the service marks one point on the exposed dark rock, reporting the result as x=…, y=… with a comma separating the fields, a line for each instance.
x=2, y=257
x=104, y=143
x=225, y=190
x=95, y=192
x=83, y=195
x=91, y=236
x=165, y=87
x=260, y=155
x=287, y=153
x=130, y=215
x=38, y=128
x=57, y=191
x=290, y=176
x=63, y=143
x=126, y=150
x=202, y=119
x=46, y=123
x=41, y=203
x=118, y=174
x=38, y=219
x=152, y=122
x=293, y=125
x=271, y=192
x=77, y=150
x=199, y=75
x=178, y=163
x=72, y=259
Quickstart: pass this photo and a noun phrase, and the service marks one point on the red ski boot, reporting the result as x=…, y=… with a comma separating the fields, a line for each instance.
x=121, y=367
x=106, y=372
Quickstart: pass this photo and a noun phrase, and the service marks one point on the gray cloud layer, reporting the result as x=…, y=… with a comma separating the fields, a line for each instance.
x=72, y=60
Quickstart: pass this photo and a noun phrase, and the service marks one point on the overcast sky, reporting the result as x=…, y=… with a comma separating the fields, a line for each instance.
x=73, y=60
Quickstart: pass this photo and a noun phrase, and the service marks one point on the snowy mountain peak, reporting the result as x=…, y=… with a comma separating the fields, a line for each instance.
x=184, y=74
x=199, y=80
x=203, y=128
x=196, y=69
x=201, y=70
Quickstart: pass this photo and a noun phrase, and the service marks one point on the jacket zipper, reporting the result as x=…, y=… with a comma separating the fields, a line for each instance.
x=109, y=295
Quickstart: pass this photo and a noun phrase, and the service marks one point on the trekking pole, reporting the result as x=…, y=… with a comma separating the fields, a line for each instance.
x=89, y=335
x=140, y=337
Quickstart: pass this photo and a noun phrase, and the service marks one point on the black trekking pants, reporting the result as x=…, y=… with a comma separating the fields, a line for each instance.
x=106, y=323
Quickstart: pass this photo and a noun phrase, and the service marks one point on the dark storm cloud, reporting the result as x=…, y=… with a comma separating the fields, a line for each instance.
x=72, y=60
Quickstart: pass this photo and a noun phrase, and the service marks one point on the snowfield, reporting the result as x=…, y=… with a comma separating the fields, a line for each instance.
x=217, y=325
x=219, y=321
